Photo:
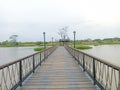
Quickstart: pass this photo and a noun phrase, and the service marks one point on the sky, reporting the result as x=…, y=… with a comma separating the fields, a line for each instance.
x=30, y=18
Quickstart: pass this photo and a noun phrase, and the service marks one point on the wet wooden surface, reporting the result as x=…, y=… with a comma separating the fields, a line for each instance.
x=58, y=72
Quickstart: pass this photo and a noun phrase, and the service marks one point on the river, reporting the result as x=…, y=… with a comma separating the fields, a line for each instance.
x=110, y=53
x=8, y=54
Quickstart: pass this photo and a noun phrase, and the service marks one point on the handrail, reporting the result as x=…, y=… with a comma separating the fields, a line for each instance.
x=14, y=73
x=104, y=74
x=102, y=61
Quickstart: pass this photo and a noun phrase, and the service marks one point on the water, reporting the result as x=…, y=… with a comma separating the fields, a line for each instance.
x=9, y=54
x=110, y=53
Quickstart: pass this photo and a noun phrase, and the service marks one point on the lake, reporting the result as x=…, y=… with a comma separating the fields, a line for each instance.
x=110, y=53
x=8, y=54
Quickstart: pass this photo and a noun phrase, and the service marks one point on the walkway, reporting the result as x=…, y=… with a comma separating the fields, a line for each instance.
x=58, y=72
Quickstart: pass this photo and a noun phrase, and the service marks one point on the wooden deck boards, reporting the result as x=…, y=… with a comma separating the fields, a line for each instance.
x=58, y=72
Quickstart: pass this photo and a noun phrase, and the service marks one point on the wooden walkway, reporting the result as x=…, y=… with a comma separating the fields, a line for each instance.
x=58, y=72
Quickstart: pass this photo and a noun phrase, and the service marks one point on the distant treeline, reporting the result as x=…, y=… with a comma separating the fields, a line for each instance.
x=12, y=44
x=79, y=42
x=99, y=41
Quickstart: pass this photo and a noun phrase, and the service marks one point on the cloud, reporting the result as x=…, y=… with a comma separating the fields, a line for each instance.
x=30, y=18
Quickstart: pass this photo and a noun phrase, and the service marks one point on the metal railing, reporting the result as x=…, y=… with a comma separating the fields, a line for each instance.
x=14, y=73
x=104, y=74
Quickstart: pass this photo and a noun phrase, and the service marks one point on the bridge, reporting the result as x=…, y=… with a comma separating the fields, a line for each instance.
x=59, y=68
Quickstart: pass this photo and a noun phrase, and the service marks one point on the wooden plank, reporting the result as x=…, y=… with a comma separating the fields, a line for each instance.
x=59, y=72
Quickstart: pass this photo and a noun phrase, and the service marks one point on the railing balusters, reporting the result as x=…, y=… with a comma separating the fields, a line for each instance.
x=13, y=74
x=99, y=70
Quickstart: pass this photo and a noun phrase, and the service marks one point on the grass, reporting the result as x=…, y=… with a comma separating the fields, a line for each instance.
x=83, y=47
x=38, y=49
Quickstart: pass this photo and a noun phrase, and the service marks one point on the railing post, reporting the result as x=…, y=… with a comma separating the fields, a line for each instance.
x=74, y=54
x=33, y=63
x=40, y=58
x=78, y=59
x=47, y=54
x=119, y=82
x=83, y=62
x=44, y=55
x=20, y=72
x=94, y=72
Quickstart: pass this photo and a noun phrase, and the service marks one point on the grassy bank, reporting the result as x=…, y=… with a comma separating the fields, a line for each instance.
x=38, y=49
x=83, y=47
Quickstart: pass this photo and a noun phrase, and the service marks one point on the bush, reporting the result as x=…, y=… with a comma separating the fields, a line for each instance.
x=83, y=47
x=38, y=49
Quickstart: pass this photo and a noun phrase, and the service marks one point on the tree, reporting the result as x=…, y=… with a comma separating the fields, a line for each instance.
x=63, y=34
x=14, y=39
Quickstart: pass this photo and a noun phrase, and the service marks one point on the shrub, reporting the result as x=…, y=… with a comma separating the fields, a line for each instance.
x=38, y=49
x=83, y=47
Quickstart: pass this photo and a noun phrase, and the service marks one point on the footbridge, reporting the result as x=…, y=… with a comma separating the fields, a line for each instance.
x=59, y=68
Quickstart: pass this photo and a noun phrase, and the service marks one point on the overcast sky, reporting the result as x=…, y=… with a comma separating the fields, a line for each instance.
x=30, y=18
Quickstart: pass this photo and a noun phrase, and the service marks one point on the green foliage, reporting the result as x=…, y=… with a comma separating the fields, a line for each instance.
x=82, y=47
x=38, y=49
x=8, y=44
x=19, y=44
x=39, y=43
x=94, y=42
